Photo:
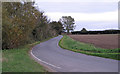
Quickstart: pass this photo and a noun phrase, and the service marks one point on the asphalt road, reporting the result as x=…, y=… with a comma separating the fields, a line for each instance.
x=61, y=60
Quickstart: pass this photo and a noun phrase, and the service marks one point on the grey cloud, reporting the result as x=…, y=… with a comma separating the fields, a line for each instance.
x=83, y=7
x=96, y=25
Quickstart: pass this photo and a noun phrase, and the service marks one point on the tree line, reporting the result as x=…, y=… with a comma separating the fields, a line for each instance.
x=22, y=23
x=84, y=31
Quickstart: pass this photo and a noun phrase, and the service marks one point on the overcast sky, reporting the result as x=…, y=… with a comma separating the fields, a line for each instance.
x=89, y=14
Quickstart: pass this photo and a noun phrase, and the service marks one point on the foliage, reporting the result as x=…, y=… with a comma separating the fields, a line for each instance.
x=13, y=60
x=83, y=30
x=22, y=23
x=98, y=32
x=57, y=26
x=15, y=27
x=68, y=23
x=73, y=45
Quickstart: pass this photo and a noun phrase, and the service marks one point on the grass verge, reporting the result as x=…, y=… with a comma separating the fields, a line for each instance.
x=68, y=43
x=19, y=60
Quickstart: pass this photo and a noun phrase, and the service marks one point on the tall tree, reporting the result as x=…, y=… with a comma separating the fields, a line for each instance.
x=68, y=23
x=22, y=23
x=57, y=26
x=16, y=27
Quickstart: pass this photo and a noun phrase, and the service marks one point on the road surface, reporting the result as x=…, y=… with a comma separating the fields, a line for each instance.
x=61, y=60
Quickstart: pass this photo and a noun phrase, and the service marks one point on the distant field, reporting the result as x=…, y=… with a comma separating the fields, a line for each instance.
x=109, y=41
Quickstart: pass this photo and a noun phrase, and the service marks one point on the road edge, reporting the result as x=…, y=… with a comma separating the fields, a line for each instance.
x=86, y=52
x=47, y=68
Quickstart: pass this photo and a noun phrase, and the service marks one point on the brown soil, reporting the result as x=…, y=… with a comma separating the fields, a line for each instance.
x=103, y=41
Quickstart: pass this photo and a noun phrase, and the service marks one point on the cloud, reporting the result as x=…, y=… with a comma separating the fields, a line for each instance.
x=76, y=0
x=96, y=25
x=106, y=16
x=83, y=7
x=91, y=14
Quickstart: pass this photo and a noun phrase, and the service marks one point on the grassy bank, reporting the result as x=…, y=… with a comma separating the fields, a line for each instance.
x=19, y=60
x=68, y=43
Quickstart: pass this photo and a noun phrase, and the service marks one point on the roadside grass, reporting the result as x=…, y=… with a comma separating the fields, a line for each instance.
x=68, y=43
x=19, y=60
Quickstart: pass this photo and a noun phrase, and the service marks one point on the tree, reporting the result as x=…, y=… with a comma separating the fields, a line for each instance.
x=22, y=23
x=68, y=23
x=83, y=30
x=16, y=27
x=57, y=26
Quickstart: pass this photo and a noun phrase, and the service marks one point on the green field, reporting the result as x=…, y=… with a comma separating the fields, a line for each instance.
x=19, y=60
x=68, y=43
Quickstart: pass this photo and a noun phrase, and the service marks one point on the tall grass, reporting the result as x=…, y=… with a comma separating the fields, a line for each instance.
x=19, y=60
x=68, y=43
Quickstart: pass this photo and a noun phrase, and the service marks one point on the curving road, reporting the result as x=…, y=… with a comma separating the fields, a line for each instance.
x=61, y=60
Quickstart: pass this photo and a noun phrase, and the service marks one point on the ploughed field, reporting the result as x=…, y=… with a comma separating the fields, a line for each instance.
x=107, y=41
